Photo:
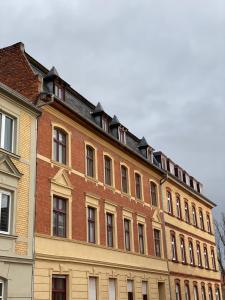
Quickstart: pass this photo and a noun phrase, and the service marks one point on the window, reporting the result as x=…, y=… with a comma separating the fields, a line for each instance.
x=203, y=293
x=213, y=260
x=6, y=132
x=169, y=203
x=173, y=247
x=59, y=141
x=59, y=216
x=90, y=158
x=187, y=292
x=122, y=135
x=124, y=176
x=153, y=190
x=127, y=234
x=183, y=250
x=112, y=289
x=201, y=220
x=59, y=287
x=5, y=203
x=206, y=257
x=195, y=292
x=177, y=290
x=187, y=216
x=108, y=170
x=157, y=240
x=199, y=256
x=144, y=290
x=58, y=91
x=91, y=225
x=209, y=228
x=191, y=254
x=1, y=290
x=130, y=289
x=141, y=238
x=210, y=293
x=105, y=124
x=138, y=186
x=217, y=294
x=178, y=207
x=194, y=217
x=110, y=222
x=92, y=288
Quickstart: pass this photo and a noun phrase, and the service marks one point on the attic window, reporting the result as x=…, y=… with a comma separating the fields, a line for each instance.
x=58, y=92
x=105, y=124
x=149, y=154
x=122, y=135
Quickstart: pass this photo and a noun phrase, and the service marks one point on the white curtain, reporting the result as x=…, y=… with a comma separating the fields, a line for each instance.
x=92, y=293
x=112, y=289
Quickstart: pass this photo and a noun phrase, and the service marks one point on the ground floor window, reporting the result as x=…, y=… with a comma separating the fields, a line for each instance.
x=217, y=294
x=59, y=288
x=92, y=288
x=144, y=290
x=112, y=289
x=130, y=289
x=1, y=289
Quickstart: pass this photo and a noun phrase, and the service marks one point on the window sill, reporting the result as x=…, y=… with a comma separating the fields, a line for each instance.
x=8, y=236
x=16, y=156
x=61, y=165
x=92, y=179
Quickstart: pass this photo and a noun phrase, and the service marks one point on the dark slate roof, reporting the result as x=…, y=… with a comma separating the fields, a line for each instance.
x=53, y=72
x=98, y=108
x=143, y=143
x=114, y=121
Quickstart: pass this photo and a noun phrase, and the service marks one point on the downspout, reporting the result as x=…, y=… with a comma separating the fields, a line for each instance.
x=162, y=181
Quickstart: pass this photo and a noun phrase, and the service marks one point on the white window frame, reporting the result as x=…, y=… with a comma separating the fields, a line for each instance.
x=3, y=131
x=3, y=288
x=10, y=200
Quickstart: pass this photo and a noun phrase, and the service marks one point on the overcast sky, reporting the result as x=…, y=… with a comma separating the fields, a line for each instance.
x=158, y=65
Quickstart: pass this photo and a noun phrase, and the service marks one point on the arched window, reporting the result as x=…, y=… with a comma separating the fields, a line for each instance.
x=203, y=293
x=108, y=170
x=199, y=256
x=201, y=220
x=169, y=203
x=217, y=294
x=196, y=292
x=178, y=207
x=187, y=292
x=206, y=257
x=154, y=196
x=209, y=228
x=90, y=161
x=186, y=209
x=194, y=217
x=178, y=293
x=191, y=253
x=213, y=260
x=124, y=179
x=1, y=289
x=183, y=250
x=173, y=247
x=138, y=186
x=59, y=145
x=210, y=293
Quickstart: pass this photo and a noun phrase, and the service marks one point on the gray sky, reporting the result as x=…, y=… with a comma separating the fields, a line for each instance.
x=159, y=65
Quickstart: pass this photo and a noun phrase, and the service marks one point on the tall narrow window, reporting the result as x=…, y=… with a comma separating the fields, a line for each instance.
x=1, y=289
x=130, y=290
x=157, y=240
x=199, y=256
x=194, y=217
x=91, y=225
x=169, y=203
x=112, y=289
x=144, y=290
x=186, y=210
x=141, y=238
x=6, y=132
x=5, y=202
x=110, y=222
x=59, y=216
x=92, y=288
x=59, y=141
x=177, y=290
x=154, y=196
x=178, y=207
x=217, y=294
x=90, y=158
x=108, y=170
x=210, y=293
x=173, y=247
x=138, y=185
x=213, y=260
x=122, y=135
x=127, y=234
x=191, y=253
x=183, y=250
x=201, y=220
x=187, y=292
x=124, y=178
x=209, y=228
x=59, y=287
x=206, y=259
x=195, y=292
x=105, y=124
x=203, y=293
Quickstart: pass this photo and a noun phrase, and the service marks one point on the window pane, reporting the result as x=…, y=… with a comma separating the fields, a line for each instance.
x=92, y=289
x=112, y=289
x=59, y=217
x=8, y=133
x=1, y=290
x=58, y=288
x=4, y=212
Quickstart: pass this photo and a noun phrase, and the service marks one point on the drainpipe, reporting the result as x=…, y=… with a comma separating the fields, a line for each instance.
x=162, y=181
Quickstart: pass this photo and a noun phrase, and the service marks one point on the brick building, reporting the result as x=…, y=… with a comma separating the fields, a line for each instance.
x=100, y=194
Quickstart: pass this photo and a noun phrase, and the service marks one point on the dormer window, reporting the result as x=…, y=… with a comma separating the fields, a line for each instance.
x=105, y=124
x=58, y=92
x=122, y=135
x=149, y=154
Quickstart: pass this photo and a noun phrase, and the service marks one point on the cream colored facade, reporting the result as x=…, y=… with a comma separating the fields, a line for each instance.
x=17, y=180
x=185, y=273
